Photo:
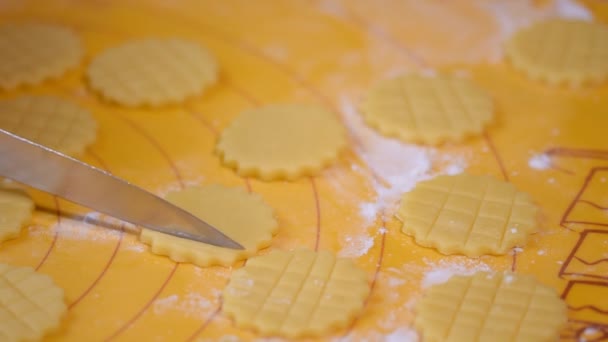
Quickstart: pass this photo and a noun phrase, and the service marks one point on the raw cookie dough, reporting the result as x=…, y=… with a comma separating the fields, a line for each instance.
x=31, y=305
x=49, y=121
x=32, y=53
x=242, y=216
x=490, y=307
x=152, y=72
x=15, y=210
x=282, y=141
x=296, y=294
x=427, y=109
x=561, y=51
x=466, y=214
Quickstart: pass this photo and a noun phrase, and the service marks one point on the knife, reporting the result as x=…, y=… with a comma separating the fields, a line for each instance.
x=48, y=170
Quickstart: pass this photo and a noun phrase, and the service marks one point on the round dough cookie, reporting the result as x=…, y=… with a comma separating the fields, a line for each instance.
x=49, y=121
x=32, y=53
x=284, y=141
x=427, y=109
x=152, y=72
x=242, y=216
x=15, y=210
x=466, y=214
x=490, y=307
x=296, y=294
x=31, y=305
x=561, y=51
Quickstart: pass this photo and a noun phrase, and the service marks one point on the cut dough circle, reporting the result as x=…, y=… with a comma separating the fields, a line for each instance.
x=50, y=121
x=282, y=141
x=31, y=305
x=561, y=51
x=15, y=210
x=490, y=307
x=296, y=294
x=242, y=216
x=32, y=53
x=466, y=214
x=427, y=109
x=152, y=72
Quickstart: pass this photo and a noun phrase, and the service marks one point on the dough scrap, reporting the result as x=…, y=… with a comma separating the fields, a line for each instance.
x=242, y=216
x=152, y=72
x=296, y=294
x=561, y=51
x=33, y=53
x=49, y=121
x=16, y=209
x=427, y=109
x=31, y=305
x=282, y=141
x=490, y=307
x=466, y=214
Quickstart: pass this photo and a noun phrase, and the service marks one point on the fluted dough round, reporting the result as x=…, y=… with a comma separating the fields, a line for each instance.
x=296, y=294
x=31, y=305
x=242, y=216
x=32, y=53
x=466, y=214
x=50, y=121
x=561, y=51
x=282, y=141
x=490, y=307
x=15, y=210
x=152, y=72
x=427, y=109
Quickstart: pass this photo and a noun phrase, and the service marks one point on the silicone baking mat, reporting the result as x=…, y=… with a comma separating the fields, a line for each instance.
x=548, y=141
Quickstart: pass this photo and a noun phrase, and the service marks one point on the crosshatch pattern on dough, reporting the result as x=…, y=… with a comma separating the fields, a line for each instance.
x=561, y=51
x=49, y=121
x=490, y=307
x=242, y=216
x=31, y=53
x=427, y=109
x=15, y=210
x=31, y=305
x=152, y=72
x=296, y=294
x=466, y=214
x=282, y=141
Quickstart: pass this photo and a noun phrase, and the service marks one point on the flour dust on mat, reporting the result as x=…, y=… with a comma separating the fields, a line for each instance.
x=191, y=305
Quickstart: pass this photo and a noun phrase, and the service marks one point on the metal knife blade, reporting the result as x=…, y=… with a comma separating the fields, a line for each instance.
x=45, y=169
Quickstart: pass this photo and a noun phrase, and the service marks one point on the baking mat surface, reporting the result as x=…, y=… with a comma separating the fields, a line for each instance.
x=549, y=142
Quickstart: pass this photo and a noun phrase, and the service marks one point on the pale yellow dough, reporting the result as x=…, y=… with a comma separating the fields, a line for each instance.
x=490, y=307
x=561, y=51
x=31, y=305
x=466, y=214
x=50, y=121
x=152, y=72
x=296, y=294
x=15, y=210
x=32, y=53
x=284, y=141
x=241, y=216
x=427, y=109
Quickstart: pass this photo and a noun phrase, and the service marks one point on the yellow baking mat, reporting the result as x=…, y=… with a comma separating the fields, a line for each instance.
x=550, y=142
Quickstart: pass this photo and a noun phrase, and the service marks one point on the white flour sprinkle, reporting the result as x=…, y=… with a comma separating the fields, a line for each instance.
x=356, y=246
x=442, y=272
x=402, y=335
x=540, y=162
x=191, y=305
x=541, y=252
